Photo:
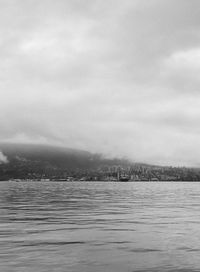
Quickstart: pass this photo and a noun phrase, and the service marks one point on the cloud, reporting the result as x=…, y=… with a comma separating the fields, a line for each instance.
x=118, y=77
x=181, y=70
x=3, y=158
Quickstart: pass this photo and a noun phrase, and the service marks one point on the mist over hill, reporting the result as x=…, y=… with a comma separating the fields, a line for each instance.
x=19, y=160
x=31, y=161
x=56, y=156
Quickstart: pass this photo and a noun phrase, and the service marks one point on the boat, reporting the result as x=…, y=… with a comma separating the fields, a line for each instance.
x=124, y=178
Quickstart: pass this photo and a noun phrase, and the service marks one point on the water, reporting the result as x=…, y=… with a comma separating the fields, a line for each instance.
x=99, y=227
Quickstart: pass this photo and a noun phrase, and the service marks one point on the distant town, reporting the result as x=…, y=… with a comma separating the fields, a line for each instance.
x=46, y=163
x=134, y=173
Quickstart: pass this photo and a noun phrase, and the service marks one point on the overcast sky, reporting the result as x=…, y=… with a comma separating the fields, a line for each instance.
x=119, y=77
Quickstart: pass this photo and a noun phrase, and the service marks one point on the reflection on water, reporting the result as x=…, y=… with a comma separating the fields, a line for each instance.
x=99, y=227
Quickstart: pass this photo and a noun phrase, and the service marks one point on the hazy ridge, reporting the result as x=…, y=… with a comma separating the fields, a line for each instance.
x=21, y=159
x=31, y=161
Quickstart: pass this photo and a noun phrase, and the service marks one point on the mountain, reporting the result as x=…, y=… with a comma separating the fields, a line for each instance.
x=29, y=161
x=20, y=160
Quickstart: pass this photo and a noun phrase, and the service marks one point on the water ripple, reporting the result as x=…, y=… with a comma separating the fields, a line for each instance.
x=95, y=227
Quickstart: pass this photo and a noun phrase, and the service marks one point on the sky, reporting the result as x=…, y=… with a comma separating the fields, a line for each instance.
x=117, y=77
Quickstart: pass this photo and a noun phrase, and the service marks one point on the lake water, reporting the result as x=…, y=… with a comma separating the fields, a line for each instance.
x=99, y=227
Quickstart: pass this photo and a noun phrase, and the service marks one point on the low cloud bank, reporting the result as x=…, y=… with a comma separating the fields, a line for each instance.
x=3, y=158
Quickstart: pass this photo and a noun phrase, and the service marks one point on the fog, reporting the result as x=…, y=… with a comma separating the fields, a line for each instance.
x=115, y=77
